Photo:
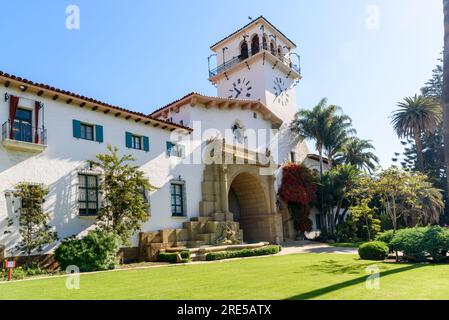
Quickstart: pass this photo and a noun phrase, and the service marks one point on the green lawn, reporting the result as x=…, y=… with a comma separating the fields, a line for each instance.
x=346, y=244
x=301, y=276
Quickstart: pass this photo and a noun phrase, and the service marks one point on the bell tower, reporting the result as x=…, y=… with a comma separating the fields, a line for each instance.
x=257, y=62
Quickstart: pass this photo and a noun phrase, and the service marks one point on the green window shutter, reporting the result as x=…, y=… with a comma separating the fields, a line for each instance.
x=76, y=129
x=99, y=133
x=169, y=148
x=129, y=140
x=146, y=144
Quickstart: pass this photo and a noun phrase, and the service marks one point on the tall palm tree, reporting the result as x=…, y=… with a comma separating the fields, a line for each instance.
x=338, y=134
x=445, y=96
x=356, y=152
x=416, y=115
x=313, y=124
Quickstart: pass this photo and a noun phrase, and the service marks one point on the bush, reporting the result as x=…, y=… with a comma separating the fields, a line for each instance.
x=346, y=231
x=95, y=252
x=172, y=257
x=386, y=237
x=243, y=253
x=436, y=242
x=375, y=250
x=411, y=242
x=23, y=272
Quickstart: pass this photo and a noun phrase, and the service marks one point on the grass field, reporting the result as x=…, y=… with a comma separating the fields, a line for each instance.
x=301, y=276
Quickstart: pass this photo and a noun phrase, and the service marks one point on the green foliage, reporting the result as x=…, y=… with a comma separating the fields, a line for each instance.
x=367, y=225
x=436, y=242
x=375, y=250
x=33, y=220
x=386, y=236
x=355, y=152
x=269, y=250
x=123, y=210
x=326, y=126
x=347, y=231
x=172, y=257
x=23, y=272
x=411, y=242
x=95, y=252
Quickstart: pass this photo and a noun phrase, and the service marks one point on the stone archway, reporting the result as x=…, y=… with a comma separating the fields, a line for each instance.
x=250, y=206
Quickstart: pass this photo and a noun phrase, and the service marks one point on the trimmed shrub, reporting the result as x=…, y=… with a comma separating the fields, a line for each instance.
x=435, y=242
x=172, y=257
x=95, y=252
x=375, y=250
x=411, y=242
x=385, y=236
x=274, y=249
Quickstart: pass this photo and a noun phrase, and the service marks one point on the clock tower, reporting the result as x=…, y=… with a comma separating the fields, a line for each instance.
x=257, y=62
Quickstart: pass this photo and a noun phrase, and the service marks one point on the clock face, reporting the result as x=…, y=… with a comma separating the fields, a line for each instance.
x=241, y=88
x=280, y=91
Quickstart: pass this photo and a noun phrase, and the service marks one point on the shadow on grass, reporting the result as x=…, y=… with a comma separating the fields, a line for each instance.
x=349, y=283
x=335, y=267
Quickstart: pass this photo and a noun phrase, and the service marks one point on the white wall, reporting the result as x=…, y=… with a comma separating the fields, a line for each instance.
x=58, y=165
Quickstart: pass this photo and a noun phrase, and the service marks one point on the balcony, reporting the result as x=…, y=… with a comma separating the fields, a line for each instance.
x=287, y=61
x=21, y=136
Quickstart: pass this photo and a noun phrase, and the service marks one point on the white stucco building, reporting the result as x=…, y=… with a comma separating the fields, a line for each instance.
x=48, y=134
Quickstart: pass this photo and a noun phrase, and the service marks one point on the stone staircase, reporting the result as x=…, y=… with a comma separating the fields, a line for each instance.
x=202, y=231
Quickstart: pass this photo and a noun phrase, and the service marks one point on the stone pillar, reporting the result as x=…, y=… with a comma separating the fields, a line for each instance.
x=272, y=193
x=224, y=190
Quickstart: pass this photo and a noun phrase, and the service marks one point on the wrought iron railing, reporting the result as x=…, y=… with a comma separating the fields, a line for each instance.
x=236, y=60
x=25, y=132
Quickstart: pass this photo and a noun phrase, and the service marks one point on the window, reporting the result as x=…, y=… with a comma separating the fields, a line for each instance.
x=136, y=142
x=255, y=45
x=22, y=126
x=255, y=115
x=243, y=51
x=293, y=157
x=177, y=191
x=318, y=221
x=88, y=195
x=175, y=150
x=87, y=132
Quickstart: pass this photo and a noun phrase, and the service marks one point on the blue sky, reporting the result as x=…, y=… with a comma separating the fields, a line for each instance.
x=143, y=54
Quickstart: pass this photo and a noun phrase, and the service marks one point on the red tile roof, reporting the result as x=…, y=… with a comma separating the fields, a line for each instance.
x=24, y=81
x=249, y=24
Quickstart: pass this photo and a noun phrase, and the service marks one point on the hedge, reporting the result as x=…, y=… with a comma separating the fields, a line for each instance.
x=420, y=242
x=172, y=257
x=95, y=252
x=376, y=250
x=274, y=249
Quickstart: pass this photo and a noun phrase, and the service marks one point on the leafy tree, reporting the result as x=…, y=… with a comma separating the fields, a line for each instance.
x=416, y=116
x=333, y=190
x=312, y=124
x=33, y=221
x=123, y=208
x=355, y=152
x=337, y=136
x=410, y=196
x=394, y=193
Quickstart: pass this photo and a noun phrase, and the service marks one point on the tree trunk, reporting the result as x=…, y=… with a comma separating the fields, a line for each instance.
x=445, y=97
x=320, y=153
x=419, y=152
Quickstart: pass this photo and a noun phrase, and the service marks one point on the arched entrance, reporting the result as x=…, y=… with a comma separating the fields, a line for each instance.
x=249, y=204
